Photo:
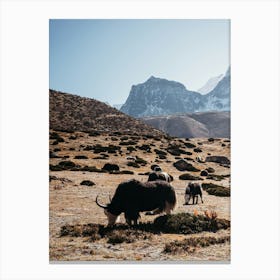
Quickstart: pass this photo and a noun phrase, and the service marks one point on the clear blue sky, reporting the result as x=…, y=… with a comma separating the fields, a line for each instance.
x=102, y=59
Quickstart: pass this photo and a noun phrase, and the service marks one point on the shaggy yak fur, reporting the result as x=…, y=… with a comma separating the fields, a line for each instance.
x=132, y=197
x=154, y=176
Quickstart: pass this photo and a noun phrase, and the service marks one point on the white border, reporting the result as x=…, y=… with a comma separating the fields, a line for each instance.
x=255, y=137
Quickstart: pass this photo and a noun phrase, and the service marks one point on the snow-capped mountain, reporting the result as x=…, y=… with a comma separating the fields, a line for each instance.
x=210, y=84
x=219, y=98
x=158, y=96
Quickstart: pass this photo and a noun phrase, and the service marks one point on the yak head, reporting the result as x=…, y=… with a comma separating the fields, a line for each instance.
x=112, y=218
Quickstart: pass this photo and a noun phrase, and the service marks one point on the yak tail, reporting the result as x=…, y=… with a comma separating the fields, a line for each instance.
x=171, y=199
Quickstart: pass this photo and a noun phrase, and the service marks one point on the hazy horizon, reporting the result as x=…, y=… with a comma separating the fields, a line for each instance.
x=102, y=59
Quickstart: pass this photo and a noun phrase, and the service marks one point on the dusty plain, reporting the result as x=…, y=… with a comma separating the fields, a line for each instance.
x=71, y=203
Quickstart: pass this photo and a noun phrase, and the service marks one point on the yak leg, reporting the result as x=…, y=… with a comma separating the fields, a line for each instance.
x=193, y=199
x=201, y=198
x=127, y=218
x=131, y=217
x=168, y=207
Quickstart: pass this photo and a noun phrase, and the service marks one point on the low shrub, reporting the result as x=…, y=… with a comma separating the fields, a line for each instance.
x=127, y=143
x=81, y=157
x=189, y=145
x=189, y=245
x=130, y=148
x=181, y=223
x=56, y=136
x=216, y=190
x=140, y=161
x=187, y=176
x=133, y=164
x=187, y=223
x=160, y=152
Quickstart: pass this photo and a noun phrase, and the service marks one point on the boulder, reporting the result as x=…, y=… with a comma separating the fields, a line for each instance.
x=182, y=165
x=210, y=170
x=218, y=159
x=87, y=183
x=110, y=167
x=187, y=176
x=204, y=173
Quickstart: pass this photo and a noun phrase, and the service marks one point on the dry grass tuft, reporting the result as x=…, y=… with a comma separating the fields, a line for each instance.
x=191, y=244
x=216, y=190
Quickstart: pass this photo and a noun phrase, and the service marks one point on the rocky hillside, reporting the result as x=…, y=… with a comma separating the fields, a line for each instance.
x=158, y=96
x=205, y=124
x=68, y=112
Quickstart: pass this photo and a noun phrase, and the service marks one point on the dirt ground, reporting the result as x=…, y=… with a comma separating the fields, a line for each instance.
x=73, y=203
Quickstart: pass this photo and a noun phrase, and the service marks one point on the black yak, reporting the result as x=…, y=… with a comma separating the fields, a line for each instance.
x=154, y=176
x=192, y=191
x=132, y=197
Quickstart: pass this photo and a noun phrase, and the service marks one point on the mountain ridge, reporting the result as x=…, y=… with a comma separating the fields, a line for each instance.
x=158, y=96
x=191, y=125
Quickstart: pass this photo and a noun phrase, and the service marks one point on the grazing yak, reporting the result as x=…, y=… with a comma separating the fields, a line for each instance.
x=132, y=197
x=192, y=191
x=158, y=174
x=154, y=176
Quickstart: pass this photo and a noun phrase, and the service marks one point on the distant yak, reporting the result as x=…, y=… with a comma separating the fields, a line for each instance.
x=192, y=191
x=132, y=197
x=154, y=176
x=158, y=174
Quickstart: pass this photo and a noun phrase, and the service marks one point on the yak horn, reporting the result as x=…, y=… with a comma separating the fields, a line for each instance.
x=100, y=205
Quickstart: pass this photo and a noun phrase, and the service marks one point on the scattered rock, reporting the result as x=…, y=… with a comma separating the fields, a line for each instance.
x=204, y=173
x=110, y=167
x=190, y=145
x=145, y=147
x=94, y=133
x=187, y=176
x=73, y=137
x=160, y=152
x=127, y=143
x=218, y=159
x=81, y=157
x=210, y=170
x=182, y=165
x=56, y=136
x=87, y=183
